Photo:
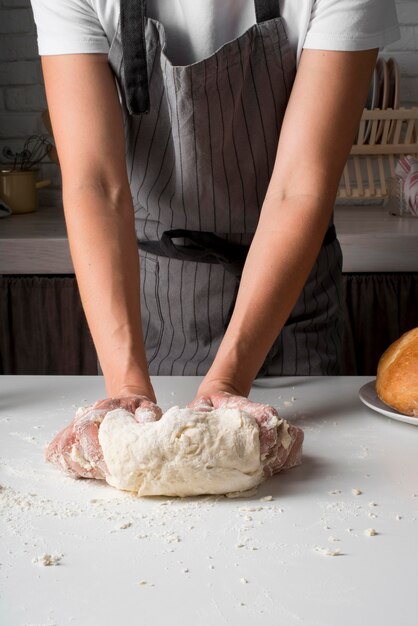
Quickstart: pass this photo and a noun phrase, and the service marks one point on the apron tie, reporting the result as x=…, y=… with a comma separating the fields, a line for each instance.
x=207, y=248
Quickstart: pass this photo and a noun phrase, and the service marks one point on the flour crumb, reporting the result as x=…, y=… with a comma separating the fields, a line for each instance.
x=398, y=517
x=333, y=539
x=370, y=532
x=356, y=492
x=141, y=536
x=372, y=515
x=372, y=504
x=349, y=530
x=124, y=525
x=266, y=499
x=142, y=583
x=186, y=570
x=243, y=580
x=48, y=559
x=334, y=492
x=328, y=551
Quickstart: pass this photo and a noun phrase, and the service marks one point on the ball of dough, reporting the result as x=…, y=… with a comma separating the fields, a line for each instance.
x=397, y=374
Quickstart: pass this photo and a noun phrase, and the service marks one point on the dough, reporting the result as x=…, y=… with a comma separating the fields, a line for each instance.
x=185, y=453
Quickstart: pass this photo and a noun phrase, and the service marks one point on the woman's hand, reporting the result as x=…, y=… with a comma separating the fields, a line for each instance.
x=275, y=455
x=76, y=449
x=209, y=398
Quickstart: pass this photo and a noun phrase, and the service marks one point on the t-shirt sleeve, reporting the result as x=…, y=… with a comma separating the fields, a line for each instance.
x=352, y=24
x=67, y=27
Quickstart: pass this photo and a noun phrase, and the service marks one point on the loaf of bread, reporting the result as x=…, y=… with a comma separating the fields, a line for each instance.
x=397, y=374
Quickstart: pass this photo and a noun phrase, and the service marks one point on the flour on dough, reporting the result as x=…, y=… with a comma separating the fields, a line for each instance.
x=185, y=453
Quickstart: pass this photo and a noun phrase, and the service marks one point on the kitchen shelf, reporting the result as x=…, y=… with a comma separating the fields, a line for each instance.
x=372, y=240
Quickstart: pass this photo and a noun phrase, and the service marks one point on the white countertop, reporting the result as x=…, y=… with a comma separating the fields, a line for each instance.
x=187, y=550
x=371, y=240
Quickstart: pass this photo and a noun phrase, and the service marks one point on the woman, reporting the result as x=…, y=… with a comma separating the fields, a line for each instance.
x=212, y=136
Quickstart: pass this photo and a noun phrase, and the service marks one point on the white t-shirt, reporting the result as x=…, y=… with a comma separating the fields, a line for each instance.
x=197, y=28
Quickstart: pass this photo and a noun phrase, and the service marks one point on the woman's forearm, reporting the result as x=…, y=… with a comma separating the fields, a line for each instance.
x=104, y=252
x=282, y=253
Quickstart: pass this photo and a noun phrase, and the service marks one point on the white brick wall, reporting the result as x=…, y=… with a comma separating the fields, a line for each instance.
x=22, y=93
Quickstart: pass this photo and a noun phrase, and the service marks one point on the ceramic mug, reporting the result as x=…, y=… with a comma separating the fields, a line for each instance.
x=18, y=189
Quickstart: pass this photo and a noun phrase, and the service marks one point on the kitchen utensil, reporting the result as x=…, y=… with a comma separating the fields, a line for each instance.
x=18, y=189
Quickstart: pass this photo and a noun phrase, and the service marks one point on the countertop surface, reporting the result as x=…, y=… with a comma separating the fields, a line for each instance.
x=372, y=240
x=212, y=560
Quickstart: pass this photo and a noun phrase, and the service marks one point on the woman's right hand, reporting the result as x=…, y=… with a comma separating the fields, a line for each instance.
x=76, y=448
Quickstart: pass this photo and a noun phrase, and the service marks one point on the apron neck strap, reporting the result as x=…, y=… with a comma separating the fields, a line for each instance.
x=266, y=10
x=133, y=16
x=132, y=21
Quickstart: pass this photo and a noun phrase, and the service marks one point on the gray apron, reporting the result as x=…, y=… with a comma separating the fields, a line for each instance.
x=201, y=142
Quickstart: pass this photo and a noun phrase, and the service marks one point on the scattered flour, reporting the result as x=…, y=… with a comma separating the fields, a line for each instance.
x=48, y=559
x=328, y=551
x=370, y=532
x=124, y=525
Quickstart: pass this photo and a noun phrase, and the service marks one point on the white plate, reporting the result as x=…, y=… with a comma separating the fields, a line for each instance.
x=370, y=398
x=383, y=81
x=372, y=99
x=394, y=95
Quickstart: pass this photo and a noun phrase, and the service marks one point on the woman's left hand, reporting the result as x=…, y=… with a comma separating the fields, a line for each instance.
x=222, y=396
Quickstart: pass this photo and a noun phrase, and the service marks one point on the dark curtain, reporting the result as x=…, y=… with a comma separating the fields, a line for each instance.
x=43, y=329
x=379, y=308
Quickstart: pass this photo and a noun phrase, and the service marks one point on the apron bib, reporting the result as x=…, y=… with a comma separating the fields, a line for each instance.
x=201, y=142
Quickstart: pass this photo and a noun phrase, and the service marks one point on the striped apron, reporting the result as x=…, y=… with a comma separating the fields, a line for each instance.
x=201, y=141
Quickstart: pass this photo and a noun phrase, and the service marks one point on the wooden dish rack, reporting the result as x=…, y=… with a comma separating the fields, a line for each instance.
x=383, y=135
